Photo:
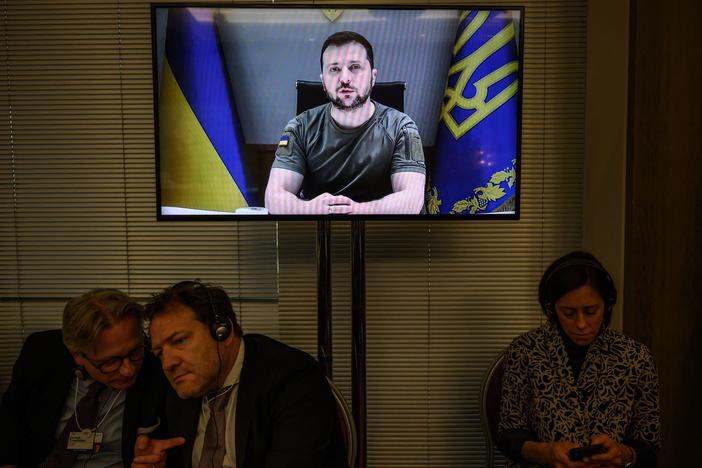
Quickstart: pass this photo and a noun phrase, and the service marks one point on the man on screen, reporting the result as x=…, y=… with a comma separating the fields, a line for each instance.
x=352, y=155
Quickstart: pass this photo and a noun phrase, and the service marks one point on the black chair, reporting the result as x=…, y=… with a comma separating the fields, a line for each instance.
x=311, y=94
x=490, y=396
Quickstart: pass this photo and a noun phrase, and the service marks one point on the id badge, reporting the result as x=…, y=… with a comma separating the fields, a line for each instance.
x=82, y=440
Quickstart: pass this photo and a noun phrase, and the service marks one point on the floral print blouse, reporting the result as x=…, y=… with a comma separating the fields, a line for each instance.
x=616, y=392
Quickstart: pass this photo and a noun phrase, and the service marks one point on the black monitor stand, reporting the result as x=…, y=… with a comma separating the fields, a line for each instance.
x=358, y=320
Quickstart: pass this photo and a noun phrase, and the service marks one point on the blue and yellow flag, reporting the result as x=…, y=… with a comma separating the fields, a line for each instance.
x=200, y=138
x=476, y=145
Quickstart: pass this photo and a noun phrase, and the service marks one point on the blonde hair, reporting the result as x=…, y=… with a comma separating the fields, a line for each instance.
x=87, y=315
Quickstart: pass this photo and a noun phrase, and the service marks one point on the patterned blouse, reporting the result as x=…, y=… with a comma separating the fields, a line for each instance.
x=616, y=392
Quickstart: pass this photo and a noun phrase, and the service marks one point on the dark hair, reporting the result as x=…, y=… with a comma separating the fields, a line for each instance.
x=570, y=272
x=202, y=298
x=346, y=37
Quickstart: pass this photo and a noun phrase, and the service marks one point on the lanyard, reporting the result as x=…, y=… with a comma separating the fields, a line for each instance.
x=75, y=407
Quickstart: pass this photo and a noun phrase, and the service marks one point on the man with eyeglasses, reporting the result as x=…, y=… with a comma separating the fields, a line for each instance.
x=79, y=396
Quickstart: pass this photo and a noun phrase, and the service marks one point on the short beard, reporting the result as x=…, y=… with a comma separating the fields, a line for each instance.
x=356, y=104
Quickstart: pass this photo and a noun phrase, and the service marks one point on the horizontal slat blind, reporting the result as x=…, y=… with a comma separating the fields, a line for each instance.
x=298, y=295
x=78, y=175
x=10, y=312
x=77, y=206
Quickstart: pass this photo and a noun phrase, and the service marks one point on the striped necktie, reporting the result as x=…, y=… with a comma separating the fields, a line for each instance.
x=214, y=444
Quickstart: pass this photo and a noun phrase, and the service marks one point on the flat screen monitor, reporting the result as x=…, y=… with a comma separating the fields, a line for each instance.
x=279, y=112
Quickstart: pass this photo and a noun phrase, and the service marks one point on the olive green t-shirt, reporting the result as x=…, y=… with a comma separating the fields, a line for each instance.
x=353, y=162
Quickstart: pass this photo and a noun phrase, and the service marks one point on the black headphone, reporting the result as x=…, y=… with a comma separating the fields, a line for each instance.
x=609, y=296
x=220, y=325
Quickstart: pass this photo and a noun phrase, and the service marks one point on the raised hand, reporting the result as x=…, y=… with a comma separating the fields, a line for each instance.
x=151, y=453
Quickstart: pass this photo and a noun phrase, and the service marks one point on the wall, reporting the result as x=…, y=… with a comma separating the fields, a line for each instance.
x=664, y=212
x=605, y=149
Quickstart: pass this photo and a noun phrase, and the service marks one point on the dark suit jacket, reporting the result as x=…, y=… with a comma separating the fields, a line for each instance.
x=41, y=379
x=286, y=416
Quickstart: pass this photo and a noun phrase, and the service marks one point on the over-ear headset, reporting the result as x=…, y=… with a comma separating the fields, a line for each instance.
x=220, y=325
x=609, y=296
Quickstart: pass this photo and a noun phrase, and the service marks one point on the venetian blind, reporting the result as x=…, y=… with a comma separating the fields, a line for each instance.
x=78, y=176
x=443, y=298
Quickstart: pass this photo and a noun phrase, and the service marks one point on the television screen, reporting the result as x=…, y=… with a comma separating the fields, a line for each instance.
x=289, y=112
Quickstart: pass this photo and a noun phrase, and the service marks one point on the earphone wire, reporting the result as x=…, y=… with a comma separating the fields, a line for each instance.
x=212, y=411
x=215, y=316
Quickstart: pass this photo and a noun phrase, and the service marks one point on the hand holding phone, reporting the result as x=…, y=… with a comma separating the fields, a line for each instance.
x=578, y=453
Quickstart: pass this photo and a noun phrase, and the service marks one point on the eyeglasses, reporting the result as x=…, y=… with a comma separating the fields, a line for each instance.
x=112, y=364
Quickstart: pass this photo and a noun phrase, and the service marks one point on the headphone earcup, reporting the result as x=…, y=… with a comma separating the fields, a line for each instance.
x=220, y=328
x=219, y=324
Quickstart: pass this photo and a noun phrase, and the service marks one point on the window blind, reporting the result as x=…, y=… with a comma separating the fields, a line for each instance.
x=443, y=298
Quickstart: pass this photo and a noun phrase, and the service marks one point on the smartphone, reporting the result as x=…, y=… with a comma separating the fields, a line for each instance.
x=578, y=453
